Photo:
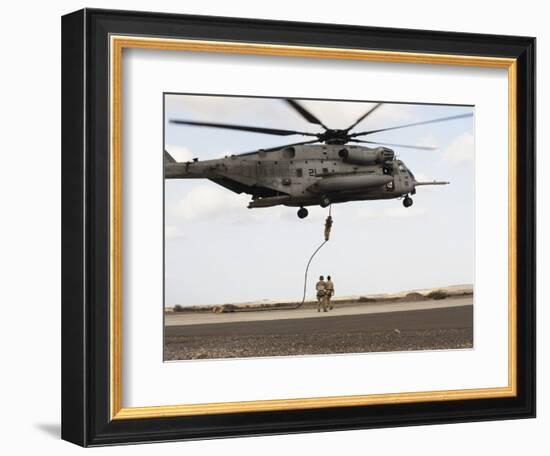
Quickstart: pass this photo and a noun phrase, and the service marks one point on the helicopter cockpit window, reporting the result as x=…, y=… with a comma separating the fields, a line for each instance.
x=402, y=169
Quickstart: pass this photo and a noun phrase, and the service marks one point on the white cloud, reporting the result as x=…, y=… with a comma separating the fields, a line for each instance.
x=179, y=153
x=428, y=141
x=461, y=150
x=209, y=201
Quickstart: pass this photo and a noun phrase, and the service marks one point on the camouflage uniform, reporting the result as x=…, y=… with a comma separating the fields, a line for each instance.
x=328, y=226
x=329, y=290
x=321, y=296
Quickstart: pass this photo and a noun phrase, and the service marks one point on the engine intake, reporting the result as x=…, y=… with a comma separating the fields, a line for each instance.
x=367, y=156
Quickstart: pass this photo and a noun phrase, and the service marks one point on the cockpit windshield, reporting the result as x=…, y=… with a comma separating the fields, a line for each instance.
x=405, y=171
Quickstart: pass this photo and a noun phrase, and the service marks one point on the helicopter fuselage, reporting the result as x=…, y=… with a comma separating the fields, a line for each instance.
x=305, y=175
x=330, y=168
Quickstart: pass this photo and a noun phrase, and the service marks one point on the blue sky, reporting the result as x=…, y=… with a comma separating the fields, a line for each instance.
x=219, y=251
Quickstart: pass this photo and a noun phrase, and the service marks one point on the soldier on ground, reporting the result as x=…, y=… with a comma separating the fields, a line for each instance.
x=321, y=294
x=329, y=291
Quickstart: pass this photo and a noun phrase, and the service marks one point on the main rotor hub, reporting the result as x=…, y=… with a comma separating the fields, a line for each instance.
x=334, y=136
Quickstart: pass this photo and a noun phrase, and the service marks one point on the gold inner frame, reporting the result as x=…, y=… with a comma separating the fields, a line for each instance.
x=117, y=44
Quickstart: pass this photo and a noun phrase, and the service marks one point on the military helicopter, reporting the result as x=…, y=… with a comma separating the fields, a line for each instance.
x=301, y=174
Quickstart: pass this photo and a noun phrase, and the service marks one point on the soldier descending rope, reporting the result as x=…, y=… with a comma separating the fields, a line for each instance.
x=320, y=286
x=328, y=226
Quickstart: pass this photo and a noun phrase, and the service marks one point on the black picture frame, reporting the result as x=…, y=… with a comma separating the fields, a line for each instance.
x=86, y=416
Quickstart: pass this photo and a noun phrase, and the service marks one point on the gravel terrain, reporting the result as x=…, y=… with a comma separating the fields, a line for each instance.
x=242, y=346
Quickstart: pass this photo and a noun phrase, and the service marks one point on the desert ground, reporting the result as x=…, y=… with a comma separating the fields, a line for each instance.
x=417, y=320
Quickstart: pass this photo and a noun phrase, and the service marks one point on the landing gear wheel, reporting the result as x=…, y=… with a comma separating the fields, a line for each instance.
x=407, y=202
x=302, y=212
x=325, y=201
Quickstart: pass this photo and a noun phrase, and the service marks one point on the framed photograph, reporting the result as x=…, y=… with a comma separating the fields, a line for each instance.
x=277, y=227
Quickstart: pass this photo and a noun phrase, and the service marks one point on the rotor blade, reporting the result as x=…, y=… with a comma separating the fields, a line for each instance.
x=425, y=122
x=394, y=145
x=267, y=131
x=273, y=149
x=305, y=113
x=364, y=116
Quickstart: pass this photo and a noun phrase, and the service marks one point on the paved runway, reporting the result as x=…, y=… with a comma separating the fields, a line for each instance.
x=454, y=316
x=201, y=318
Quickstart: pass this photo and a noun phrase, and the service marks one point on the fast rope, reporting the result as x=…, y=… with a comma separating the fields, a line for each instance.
x=328, y=226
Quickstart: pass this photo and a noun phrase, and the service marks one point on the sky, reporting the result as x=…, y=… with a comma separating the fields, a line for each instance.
x=218, y=251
